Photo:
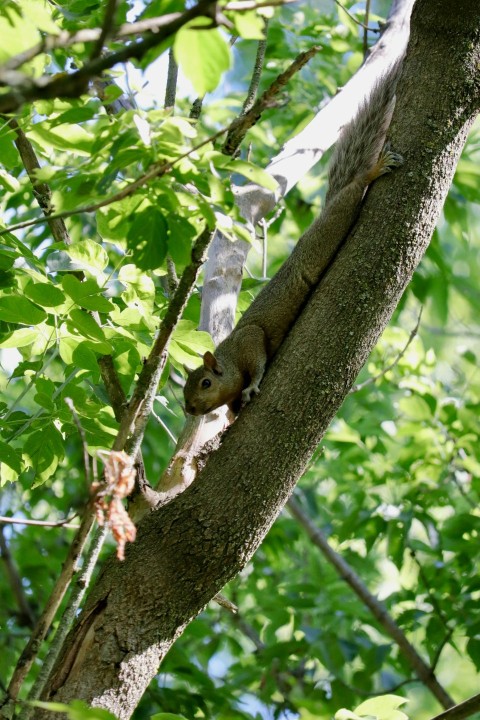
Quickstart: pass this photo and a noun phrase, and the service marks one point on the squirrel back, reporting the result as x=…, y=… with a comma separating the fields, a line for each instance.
x=232, y=375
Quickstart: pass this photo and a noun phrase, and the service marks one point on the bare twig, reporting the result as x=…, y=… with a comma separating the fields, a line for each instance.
x=40, y=523
x=257, y=72
x=81, y=432
x=172, y=76
x=462, y=710
x=117, y=397
x=196, y=109
x=107, y=28
x=378, y=610
x=239, y=129
x=41, y=190
x=71, y=610
x=372, y=380
x=25, y=611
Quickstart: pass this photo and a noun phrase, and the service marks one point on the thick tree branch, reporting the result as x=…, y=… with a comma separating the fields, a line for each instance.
x=27, y=89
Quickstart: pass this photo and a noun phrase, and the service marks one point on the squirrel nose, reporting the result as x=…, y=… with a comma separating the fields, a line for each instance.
x=190, y=408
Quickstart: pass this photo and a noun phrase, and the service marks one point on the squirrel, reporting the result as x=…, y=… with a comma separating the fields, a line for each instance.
x=232, y=375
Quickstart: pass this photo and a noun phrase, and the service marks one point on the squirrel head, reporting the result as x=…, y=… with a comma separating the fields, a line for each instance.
x=208, y=387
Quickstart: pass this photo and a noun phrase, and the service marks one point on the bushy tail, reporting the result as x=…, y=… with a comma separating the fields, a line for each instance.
x=362, y=140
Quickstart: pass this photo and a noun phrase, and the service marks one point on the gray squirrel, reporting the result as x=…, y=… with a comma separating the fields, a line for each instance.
x=233, y=374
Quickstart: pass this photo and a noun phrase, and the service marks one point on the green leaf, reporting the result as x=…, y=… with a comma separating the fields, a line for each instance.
x=9, y=182
x=45, y=449
x=249, y=25
x=18, y=33
x=10, y=457
x=203, y=55
x=73, y=138
x=85, y=358
x=88, y=255
x=17, y=309
x=87, y=294
x=19, y=338
x=249, y=170
x=86, y=325
x=415, y=407
x=147, y=238
x=44, y=294
x=384, y=707
x=473, y=649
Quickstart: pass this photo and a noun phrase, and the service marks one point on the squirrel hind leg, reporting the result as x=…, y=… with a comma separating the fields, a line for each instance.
x=388, y=161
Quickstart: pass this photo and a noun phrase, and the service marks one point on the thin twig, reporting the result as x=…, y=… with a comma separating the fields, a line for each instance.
x=157, y=170
x=378, y=610
x=239, y=128
x=172, y=77
x=69, y=615
x=40, y=523
x=81, y=432
x=370, y=381
x=41, y=190
x=107, y=28
x=196, y=109
x=462, y=710
x=257, y=72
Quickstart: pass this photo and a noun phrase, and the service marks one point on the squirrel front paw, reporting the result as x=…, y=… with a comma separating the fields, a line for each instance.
x=248, y=393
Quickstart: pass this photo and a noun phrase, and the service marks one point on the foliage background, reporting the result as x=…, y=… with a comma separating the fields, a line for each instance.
x=395, y=485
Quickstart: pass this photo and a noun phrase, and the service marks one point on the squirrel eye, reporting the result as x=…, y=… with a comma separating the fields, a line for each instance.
x=206, y=383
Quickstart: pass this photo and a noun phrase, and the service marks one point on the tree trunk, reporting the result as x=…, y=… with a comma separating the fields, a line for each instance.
x=186, y=551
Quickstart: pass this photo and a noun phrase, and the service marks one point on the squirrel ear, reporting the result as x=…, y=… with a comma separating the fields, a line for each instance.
x=211, y=363
x=187, y=370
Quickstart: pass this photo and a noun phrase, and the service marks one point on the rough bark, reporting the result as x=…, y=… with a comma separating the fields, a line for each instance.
x=186, y=551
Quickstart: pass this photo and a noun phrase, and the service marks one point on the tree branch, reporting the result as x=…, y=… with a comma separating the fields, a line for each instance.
x=156, y=170
x=372, y=380
x=462, y=710
x=377, y=608
x=247, y=119
x=27, y=89
x=106, y=30
x=39, y=523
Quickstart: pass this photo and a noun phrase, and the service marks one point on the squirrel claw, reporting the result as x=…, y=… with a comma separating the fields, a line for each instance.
x=248, y=393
